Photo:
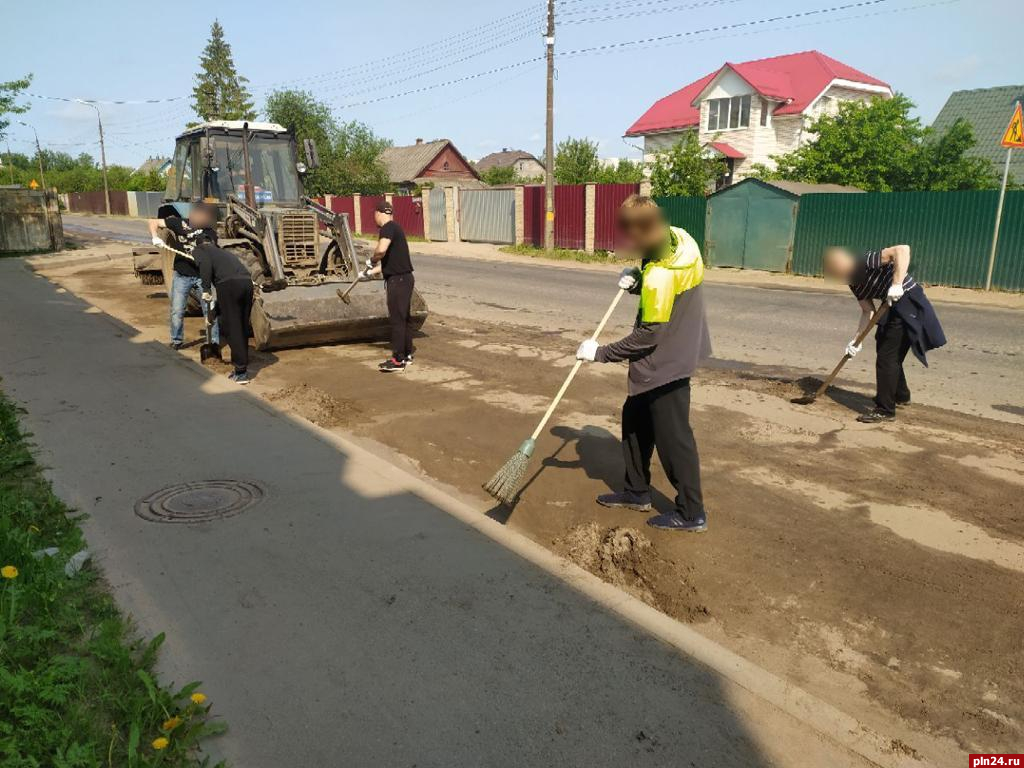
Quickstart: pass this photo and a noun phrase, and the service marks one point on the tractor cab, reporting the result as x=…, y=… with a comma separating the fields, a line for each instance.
x=209, y=164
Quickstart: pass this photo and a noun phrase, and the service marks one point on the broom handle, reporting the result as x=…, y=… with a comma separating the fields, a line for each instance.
x=576, y=368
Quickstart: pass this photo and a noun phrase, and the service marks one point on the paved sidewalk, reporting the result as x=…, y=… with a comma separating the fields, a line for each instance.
x=347, y=620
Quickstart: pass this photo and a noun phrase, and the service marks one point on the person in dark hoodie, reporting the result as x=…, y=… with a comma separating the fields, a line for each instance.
x=668, y=343
x=222, y=269
x=910, y=324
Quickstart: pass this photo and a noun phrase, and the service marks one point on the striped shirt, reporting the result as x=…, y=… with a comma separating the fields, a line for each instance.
x=873, y=278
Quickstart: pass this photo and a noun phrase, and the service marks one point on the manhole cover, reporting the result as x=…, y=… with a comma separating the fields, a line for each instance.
x=199, y=502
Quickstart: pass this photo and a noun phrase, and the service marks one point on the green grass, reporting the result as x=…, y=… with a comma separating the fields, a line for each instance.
x=564, y=254
x=77, y=687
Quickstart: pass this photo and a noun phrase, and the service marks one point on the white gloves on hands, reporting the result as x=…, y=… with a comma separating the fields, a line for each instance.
x=208, y=297
x=158, y=242
x=587, y=351
x=895, y=294
x=629, y=278
x=369, y=265
x=853, y=348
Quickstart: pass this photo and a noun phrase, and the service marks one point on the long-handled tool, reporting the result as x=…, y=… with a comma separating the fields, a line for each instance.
x=209, y=350
x=343, y=295
x=505, y=484
x=875, y=320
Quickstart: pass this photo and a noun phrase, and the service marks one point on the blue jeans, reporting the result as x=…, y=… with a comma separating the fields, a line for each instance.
x=182, y=287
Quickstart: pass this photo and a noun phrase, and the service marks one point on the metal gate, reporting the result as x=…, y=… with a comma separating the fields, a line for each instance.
x=438, y=219
x=750, y=225
x=488, y=215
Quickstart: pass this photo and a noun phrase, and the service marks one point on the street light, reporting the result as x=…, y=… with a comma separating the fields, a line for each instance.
x=103, y=152
x=39, y=152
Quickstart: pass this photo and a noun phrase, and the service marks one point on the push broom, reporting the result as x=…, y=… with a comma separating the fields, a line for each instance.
x=505, y=484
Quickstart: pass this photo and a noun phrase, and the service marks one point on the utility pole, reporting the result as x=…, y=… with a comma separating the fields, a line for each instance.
x=10, y=163
x=103, y=153
x=549, y=150
x=39, y=154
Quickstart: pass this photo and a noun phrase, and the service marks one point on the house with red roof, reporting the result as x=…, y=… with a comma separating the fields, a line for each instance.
x=749, y=111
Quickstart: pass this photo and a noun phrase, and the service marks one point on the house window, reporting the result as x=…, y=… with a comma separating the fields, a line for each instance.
x=765, y=108
x=446, y=167
x=729, y=113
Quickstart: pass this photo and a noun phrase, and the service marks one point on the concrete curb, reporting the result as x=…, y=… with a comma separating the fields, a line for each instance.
x=816, y=714
x=56, y=261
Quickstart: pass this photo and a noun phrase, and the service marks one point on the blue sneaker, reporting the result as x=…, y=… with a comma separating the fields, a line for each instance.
x=640, y=502
x=675, y=522
x=239, y=378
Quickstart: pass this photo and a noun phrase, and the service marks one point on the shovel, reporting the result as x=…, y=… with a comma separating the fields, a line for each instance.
x=209, y=350
x=875, y=320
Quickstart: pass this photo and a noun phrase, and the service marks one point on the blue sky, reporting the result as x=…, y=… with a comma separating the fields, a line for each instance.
x=365, y=58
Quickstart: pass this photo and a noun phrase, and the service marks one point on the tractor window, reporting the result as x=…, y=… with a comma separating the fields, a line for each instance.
x=179, y=177
x=274, y=177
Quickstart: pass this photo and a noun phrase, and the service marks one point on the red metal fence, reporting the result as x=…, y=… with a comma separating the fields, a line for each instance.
x=533, y=216
x=571, y=216
x=409, y=214
x=607, y=199
x=367, y=205
x=93, y=202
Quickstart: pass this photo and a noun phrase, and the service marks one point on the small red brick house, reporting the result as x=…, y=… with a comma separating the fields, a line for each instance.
x=438, y=162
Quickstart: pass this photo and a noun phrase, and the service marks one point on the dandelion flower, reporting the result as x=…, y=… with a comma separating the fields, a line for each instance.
x=198, y=698
x=161, y=742
x=170, y=725
x=9, y=572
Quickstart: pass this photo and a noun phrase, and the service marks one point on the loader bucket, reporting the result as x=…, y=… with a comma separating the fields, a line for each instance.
x=301, y=316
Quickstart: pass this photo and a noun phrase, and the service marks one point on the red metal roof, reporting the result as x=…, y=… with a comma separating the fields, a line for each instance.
x=727, y=149
x=795, y=79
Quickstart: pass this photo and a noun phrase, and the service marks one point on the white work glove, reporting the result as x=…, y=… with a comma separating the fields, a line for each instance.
x=587, y=351
x=158, y=242
x=853, y=348
x=369, y=265
x=895, y=294
x=629, y=278
x=208, y=297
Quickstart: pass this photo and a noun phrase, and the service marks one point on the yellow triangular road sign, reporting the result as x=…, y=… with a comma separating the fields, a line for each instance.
x=33, y=184
x=1014, y=136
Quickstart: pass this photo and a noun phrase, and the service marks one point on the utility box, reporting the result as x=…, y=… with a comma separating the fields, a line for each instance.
x=29, y=221
x=752, y=224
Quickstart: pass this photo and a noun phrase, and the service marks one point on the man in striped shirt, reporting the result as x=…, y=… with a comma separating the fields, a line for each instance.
x=909, y=325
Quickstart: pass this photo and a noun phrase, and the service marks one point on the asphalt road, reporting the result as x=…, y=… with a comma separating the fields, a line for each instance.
x=346, y=619
x=776, y=330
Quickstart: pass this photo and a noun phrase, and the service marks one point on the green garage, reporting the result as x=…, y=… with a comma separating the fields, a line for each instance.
x=751, y=224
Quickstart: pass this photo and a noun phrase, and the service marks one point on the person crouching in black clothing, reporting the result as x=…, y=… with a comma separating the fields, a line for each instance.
x=392, y=255
x=225, y=271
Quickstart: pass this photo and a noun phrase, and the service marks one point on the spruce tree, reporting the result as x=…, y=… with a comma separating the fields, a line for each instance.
x=220, y=92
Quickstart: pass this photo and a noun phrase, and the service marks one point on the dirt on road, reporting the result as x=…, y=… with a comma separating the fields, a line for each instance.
x=881, y=568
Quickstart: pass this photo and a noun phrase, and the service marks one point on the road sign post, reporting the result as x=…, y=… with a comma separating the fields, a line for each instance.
x=1013, y=138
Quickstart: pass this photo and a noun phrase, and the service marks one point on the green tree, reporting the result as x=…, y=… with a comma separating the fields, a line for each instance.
x=10, y=91
x=624, y=172
x=684, y=170
x=220, y=92
x=576, y=161
x=500, y=175
x=879, y=147
x=349, y=152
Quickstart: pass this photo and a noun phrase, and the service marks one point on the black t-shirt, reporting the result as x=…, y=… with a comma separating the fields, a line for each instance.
x=187, y=237
x=217, y=265
x=396, y=259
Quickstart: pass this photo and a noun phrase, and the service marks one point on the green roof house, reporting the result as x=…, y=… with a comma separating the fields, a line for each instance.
x=988, y=110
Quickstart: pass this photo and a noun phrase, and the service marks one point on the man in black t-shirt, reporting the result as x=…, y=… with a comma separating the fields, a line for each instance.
x=199, y=227
x=392, y=255
x=224, y=270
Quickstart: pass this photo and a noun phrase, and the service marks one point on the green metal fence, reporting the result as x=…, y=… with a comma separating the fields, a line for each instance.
x=687, y=212
x=950, y=233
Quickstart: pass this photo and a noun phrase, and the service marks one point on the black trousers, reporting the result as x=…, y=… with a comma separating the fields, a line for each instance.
x=234, y=297
x=661, y=419
x=399, y=289
x=892, y=342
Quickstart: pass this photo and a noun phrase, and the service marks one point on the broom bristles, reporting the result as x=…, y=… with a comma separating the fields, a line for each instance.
x=504, y=486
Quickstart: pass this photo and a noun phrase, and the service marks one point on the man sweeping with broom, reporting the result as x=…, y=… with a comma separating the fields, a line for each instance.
x=669, y=341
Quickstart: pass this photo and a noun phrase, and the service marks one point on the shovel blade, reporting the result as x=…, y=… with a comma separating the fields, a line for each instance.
x=209, y=351
x=805, y=400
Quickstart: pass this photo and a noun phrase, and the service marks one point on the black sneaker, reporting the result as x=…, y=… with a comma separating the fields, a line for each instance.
x=177, y=346
x=675, y=522
x=239, y=378
x=392, y=366
x=903, y=403
x=640, y=502
x=876, y=417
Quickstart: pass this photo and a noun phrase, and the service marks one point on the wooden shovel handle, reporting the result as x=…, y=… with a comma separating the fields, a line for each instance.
x=875, y=320
x=576, y=368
